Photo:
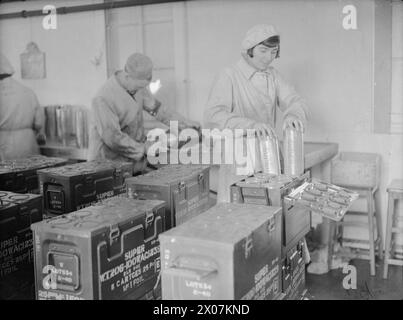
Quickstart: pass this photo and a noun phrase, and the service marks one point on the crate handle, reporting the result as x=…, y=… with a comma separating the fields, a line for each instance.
x=154, y=235
x=181, y=267
x=112, y=235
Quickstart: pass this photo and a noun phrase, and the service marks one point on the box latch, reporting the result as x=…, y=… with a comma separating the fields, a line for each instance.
x=248, y=246
x=182, y=188
x=114, y=234
x=149, y=218
x=271, y=225
x=88, y=180
x=117, y=173
x=200, y=180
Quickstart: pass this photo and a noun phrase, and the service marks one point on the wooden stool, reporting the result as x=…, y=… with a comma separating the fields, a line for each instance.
x=374, y=244
x=395, y=192
x=359, y=172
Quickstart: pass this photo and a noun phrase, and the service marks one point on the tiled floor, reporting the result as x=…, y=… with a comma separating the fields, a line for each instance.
x=330, y=286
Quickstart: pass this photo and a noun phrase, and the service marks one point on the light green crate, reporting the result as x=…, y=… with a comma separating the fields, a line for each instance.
x=356, y=169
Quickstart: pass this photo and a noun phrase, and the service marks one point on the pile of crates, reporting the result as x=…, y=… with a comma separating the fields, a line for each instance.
x=20, y=206
x=99, y=233
x=110, y=249
x=20, y=175
x=61, y=186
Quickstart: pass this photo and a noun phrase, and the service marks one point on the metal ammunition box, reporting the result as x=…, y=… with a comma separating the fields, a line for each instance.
x=185, y=189
x=104, y=252
x=229, y=252
x=73, y=187
x=296, y=220
x=293, y=272
x=17, y=213
x=20, y=175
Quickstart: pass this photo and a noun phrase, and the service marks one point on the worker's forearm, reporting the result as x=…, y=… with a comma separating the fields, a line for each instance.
x=122, y=144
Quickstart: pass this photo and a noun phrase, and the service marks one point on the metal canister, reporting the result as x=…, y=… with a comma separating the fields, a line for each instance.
x=270, y=156
x=61, y=124
x=50, y=123
x=293, y=152
x=81, y=128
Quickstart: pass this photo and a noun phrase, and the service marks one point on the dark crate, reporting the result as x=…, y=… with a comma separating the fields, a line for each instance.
x=20, y=175
x=293, y=272
x=76, y=186
x=185, y=189
x=104, y=252
x=229, y=252
x=17, y=213
x=296, y=219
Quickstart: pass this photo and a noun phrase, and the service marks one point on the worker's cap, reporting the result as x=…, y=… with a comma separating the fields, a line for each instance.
x=139, y=66
x=257, y=34
x=5, y=65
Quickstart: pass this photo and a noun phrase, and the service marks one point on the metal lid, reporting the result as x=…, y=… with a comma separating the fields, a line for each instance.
x=30, y=163
x=168, y=174
x=19, y=198
x=92, y=219
x=3, y=194
x=83, y=168
x=225, y=222
x=6, y=204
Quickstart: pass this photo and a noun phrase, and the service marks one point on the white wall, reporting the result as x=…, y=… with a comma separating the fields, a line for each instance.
x=72, y=77
x=330, y=66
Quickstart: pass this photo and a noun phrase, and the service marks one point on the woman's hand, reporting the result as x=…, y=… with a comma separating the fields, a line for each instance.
x=264, y=130
x=293, y=122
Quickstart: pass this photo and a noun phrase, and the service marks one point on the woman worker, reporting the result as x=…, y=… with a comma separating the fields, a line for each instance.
x=246, y=95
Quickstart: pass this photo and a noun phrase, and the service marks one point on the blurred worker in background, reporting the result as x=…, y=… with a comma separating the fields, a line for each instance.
x=22, y=120
x=117, y=130
x=246, y=96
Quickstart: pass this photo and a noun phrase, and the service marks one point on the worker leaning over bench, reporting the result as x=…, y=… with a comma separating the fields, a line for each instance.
x=246, y=95
x=117, y=130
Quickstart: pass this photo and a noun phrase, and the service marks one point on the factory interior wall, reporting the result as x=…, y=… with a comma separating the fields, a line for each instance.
x=75, y=51
x=332, y=68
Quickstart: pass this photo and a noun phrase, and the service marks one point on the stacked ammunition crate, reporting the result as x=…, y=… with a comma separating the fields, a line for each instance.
x=231, y=251
x=272, y=190
x=184, y=188
x=108, y=251
x=17, y=213
x=73, y=187
x=20, y=175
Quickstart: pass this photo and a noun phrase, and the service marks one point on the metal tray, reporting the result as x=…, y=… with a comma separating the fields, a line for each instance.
x=324, y=198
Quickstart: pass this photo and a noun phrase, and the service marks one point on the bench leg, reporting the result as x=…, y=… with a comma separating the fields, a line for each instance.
x=379, y=230
x=388, y=238
x=370, y=201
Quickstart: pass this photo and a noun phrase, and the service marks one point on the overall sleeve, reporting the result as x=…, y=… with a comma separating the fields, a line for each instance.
x=107, y=124
x=163, y=113
x=219, y=111
x=290, y=102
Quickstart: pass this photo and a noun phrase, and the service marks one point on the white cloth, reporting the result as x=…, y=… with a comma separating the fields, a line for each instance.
x=235, y=102
x=21, y=118
x=258, y=34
